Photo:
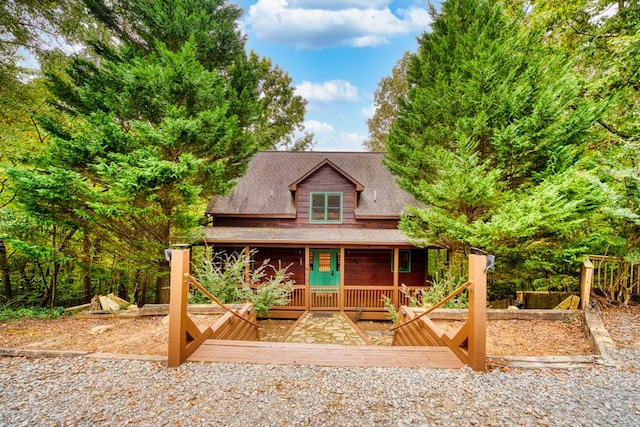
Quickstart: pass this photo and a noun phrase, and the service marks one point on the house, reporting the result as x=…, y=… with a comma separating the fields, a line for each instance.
x=331, y=216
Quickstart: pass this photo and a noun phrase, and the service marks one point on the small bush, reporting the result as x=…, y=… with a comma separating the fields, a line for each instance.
x=224, y=276
x=392, y=311
x=426, y=297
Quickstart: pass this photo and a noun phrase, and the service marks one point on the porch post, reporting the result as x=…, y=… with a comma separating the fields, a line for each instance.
x=307, y=273
x=341, y=291
x=247, y=264
x=396, y=276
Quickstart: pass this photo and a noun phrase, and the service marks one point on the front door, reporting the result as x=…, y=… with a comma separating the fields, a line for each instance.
x=324, y=279
x=325, y=270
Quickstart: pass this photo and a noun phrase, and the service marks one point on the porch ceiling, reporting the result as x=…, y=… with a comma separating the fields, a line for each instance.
x=305, y=236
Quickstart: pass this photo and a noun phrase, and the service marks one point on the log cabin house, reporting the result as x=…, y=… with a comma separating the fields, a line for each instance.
x=333, y=217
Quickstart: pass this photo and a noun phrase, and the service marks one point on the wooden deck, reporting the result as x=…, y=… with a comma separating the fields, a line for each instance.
x=262, y=352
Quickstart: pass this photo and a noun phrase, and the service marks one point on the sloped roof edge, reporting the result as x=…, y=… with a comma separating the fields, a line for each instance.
x=294, y=185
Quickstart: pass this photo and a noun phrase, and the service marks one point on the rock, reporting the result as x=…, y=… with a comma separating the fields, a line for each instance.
x=100, y=329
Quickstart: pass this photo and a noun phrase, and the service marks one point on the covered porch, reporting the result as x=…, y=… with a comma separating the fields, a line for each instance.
x=342, y=269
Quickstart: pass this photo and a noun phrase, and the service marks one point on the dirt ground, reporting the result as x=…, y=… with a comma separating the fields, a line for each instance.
x=148, y=335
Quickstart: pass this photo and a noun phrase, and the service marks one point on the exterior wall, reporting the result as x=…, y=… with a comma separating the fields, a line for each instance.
x=282, y=257
x=372, y=267
x=326, y=179
x=368, y=267
x=418, y=275
x=290, y=223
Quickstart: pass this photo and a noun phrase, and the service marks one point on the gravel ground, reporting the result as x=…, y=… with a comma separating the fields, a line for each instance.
x=85, y=391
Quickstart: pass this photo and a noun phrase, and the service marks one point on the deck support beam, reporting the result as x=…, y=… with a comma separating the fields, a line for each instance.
x=477, y=322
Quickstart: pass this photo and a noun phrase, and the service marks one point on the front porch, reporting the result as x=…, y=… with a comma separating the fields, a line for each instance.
x=352, y=279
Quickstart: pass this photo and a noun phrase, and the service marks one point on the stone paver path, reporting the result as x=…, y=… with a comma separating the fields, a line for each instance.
x=325, y=328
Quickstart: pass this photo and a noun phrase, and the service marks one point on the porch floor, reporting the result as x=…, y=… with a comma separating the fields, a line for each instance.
x=279, y=353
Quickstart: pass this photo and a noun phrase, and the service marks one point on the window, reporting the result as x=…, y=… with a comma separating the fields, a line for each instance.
x=404, y=261
x=324, y=262
x=326, y=207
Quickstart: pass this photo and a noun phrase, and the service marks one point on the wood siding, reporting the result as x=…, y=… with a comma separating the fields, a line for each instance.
x=282, y=257
x=221, y=221
x=326, y=179
x=417, y=276
x=368, y=267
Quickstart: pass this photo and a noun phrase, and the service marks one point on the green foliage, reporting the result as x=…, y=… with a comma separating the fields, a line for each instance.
x=392, y=311
x=223, y=274
x=492, y=138
x=427, y=297
x=439, y=289
x=386, y=98
x=7, y=313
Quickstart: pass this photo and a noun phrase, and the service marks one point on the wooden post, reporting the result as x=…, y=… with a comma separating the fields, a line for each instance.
x=247, y=265
x=178, y=307
x=307, y=275
x=395, y=296
x=477, y=346
x=586, y=280
x=341, y=292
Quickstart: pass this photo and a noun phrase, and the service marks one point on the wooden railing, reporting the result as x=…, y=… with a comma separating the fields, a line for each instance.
x=615, y=277
x=364, y=298
x=469, y=343
x=184, y=336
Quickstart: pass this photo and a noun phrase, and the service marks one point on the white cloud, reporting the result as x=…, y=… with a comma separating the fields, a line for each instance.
x=368, y=112
x=329, y=91
x=327, y=138
x=336, y=4
x=317, y=24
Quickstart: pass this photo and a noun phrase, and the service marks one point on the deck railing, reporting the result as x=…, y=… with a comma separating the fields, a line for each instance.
x=469, y=343
x=184, y=335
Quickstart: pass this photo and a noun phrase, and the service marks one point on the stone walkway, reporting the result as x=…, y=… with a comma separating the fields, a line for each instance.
x=325, y=328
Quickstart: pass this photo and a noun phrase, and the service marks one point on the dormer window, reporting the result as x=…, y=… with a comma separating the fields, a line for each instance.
x=326, y=207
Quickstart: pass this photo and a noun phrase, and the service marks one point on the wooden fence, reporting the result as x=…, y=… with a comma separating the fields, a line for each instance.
x=469, y=343
x=615, y=277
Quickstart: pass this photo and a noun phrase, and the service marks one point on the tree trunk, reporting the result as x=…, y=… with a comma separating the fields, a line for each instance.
x=86, y=268
x=163, y=282
x=4, y=268
x=54, y=283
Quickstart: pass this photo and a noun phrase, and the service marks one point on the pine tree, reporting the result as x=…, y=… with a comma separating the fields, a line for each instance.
x=491, y=140
x=157, y=119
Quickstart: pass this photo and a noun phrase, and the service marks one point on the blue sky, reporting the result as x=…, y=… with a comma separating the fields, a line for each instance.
x=336, y=52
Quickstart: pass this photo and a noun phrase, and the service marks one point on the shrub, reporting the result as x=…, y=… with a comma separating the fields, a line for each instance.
x=427, y=297
x=223, y=275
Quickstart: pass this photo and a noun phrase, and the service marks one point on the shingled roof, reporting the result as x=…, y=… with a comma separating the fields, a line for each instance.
x=265, y=188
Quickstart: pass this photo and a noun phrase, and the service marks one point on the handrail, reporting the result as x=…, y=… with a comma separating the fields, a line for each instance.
x=194, y=281
x=442, y=302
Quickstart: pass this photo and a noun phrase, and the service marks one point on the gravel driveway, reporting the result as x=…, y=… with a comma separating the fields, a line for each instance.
x=86, y=391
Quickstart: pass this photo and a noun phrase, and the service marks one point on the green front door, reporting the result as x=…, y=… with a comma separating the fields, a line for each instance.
x=325, y=270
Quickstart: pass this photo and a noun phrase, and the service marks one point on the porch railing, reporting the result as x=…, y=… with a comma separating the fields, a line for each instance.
x=349, y=298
